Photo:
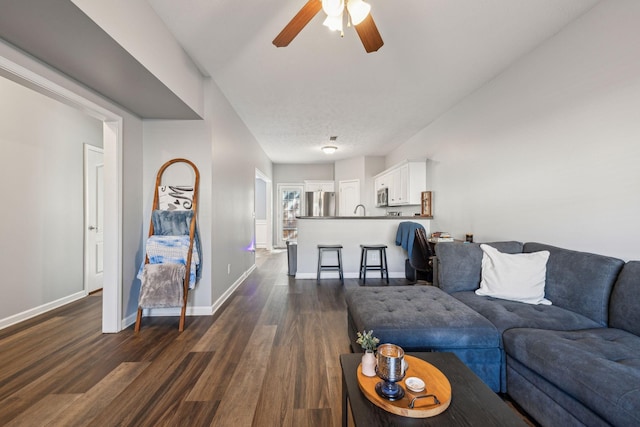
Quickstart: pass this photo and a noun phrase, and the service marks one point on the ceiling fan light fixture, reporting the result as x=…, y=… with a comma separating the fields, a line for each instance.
x=333, y=7
x=358, y=10
x=329, y=149
x=334, y=23
x=358, y=15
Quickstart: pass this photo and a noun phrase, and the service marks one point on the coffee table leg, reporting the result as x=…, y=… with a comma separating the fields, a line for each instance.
x=345, y=397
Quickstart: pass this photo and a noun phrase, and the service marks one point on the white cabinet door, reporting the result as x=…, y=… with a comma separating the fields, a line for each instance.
x=403, y=185
x=382, y=181
x=407, y=182
x=394, y=188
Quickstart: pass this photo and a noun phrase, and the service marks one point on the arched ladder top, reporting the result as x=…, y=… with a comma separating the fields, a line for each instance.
x=159, y=179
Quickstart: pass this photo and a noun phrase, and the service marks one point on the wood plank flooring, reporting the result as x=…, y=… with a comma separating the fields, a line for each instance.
x=269, y=357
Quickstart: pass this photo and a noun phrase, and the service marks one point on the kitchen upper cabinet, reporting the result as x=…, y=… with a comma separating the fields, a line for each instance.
x=399, y=191
x=382, y=181
x=405, y=181
x=328, y=186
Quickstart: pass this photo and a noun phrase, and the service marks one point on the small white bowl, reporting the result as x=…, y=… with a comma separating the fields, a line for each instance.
x=414, y=384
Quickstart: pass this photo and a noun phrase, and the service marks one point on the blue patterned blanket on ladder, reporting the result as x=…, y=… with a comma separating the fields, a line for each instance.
x=171, y=249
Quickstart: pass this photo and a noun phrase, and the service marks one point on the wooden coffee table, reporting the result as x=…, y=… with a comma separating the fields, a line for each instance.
x=472, y=402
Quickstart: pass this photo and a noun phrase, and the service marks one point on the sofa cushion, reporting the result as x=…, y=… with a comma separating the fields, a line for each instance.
x=419, y=317
x=511, y=314
x=514, y=277
x=598, y=367
x=579, y=281
x=460, y=264
x=624, y=308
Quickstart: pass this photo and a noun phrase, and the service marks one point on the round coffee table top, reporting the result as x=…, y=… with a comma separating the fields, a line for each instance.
x=436, y=383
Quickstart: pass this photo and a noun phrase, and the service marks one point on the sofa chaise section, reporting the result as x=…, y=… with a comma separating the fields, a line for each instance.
x=591, y=375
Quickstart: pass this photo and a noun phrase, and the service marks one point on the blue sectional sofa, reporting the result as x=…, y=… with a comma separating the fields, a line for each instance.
x=575, y=362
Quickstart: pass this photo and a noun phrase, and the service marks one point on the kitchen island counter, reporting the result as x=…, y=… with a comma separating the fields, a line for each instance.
x=351, y=232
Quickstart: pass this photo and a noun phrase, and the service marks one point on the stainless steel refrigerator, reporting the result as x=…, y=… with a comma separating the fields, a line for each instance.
x=320, y=203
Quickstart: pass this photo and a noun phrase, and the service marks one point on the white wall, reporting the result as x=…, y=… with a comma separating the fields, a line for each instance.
x=227, y=156
x=41, y=220
x=549, y=150
x=295, y=173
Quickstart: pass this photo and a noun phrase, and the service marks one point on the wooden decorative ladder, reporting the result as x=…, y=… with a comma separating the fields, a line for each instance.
x=192, y=234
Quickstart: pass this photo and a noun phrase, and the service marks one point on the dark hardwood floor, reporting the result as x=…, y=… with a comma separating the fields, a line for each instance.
x=270, y=357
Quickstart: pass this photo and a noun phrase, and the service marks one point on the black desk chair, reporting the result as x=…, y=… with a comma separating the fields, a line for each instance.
x=421, y=257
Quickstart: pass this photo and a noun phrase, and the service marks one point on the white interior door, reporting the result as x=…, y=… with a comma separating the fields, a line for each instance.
x=94, y=218
x=349, y=197
x=263, y=204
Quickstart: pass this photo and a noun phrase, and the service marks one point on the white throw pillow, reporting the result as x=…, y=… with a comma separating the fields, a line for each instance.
x=516, y=277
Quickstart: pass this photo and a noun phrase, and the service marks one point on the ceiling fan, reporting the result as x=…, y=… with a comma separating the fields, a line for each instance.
x=357, y=12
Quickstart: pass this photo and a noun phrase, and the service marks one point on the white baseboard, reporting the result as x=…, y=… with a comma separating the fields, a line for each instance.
x=28, y=314
x=191, y=310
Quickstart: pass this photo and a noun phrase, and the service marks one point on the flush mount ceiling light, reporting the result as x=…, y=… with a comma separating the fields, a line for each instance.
x=329, y=149
x=356, y=12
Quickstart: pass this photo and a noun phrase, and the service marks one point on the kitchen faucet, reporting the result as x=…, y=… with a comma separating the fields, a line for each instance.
x=364, y=210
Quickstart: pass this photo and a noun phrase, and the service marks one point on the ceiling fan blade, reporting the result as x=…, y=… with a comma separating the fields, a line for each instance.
x=369, y=34
x=298, y=22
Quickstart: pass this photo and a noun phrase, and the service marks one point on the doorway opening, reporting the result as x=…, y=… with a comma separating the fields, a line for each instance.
x=112, y=176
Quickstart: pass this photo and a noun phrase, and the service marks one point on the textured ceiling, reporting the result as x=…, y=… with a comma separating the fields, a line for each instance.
x=293, y=99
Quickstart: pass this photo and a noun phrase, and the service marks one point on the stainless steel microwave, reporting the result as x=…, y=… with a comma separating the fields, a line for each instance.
x=382, y=197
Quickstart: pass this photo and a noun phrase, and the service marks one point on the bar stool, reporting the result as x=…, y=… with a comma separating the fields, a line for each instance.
x=382, y=251
x=333, y=267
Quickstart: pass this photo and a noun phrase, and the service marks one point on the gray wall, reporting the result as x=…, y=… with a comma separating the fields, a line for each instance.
x=227, y=156
x=548, y=150
x=131, y=173
x=236, y=156
x=42, y=215
x=261, y=197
